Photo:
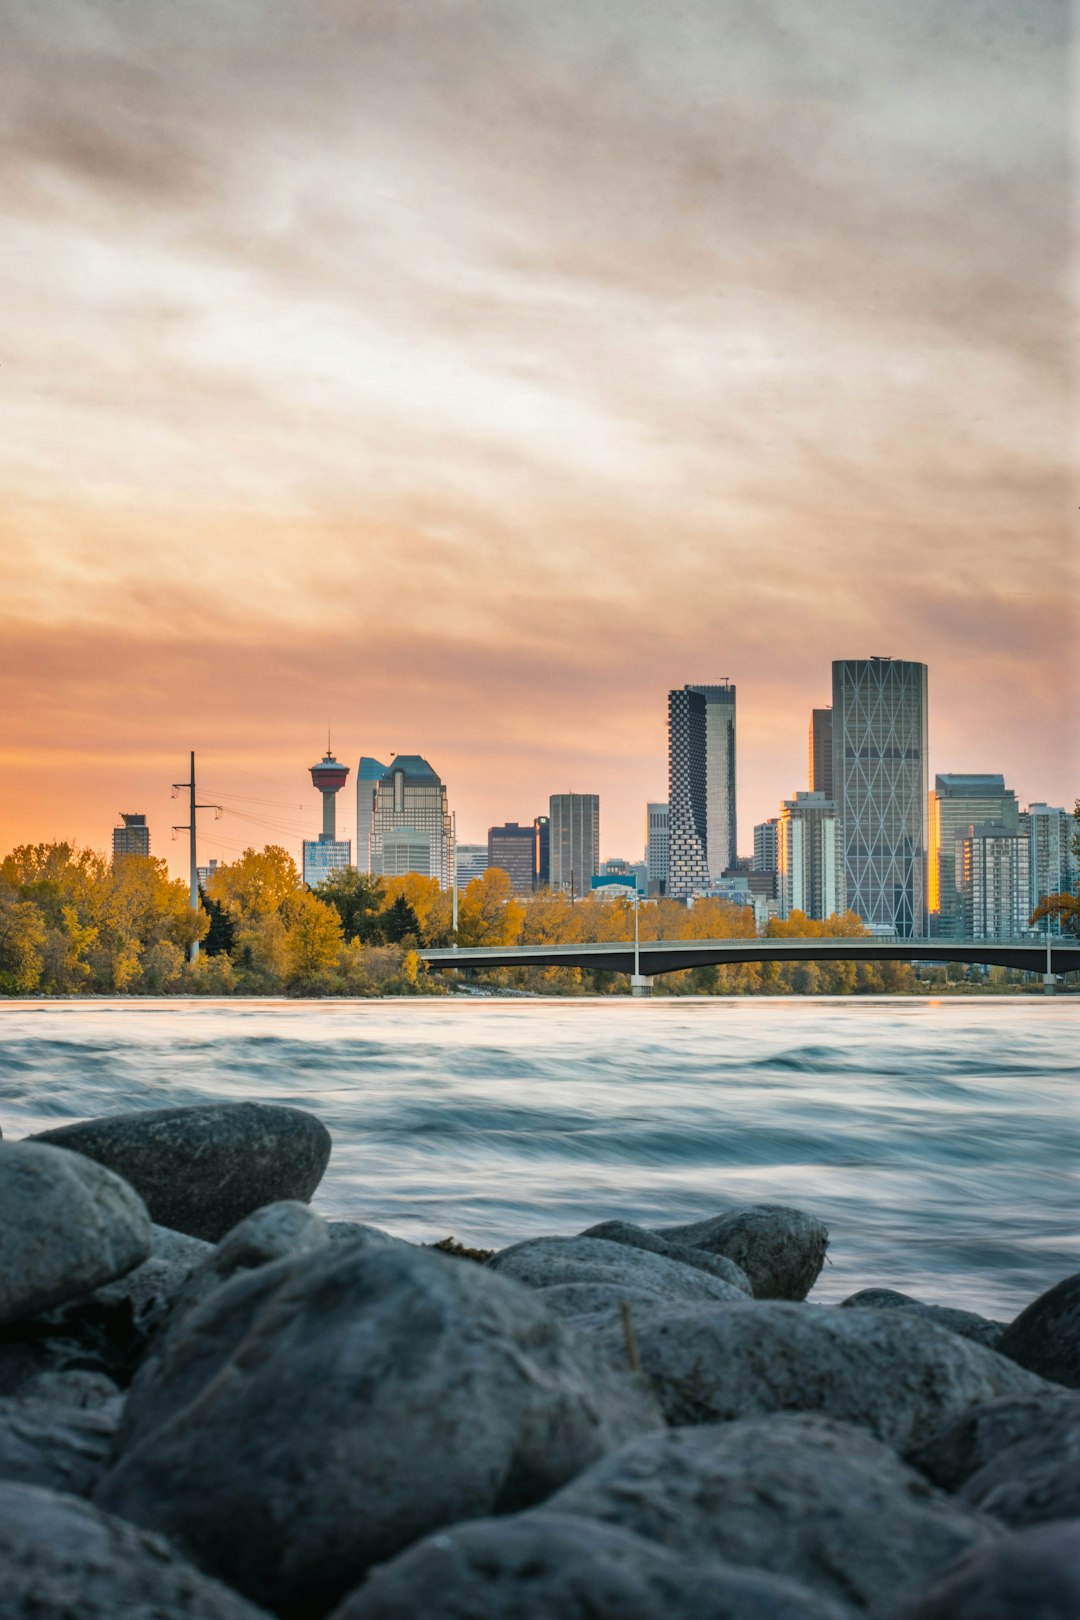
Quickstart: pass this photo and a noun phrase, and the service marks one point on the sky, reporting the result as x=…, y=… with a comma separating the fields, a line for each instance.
x=461, y=375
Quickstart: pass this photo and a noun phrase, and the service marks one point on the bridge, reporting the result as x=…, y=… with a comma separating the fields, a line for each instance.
x=652, y=957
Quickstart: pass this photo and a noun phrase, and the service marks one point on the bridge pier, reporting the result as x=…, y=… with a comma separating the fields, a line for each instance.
x=1049, y=984
x=641, y=984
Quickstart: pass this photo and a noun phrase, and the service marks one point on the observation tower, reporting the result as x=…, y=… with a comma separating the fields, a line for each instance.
x=329, y=776
x=328, y=853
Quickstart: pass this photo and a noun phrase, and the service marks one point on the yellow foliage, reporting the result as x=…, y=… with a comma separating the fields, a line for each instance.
x=257, y=884
x=314, y=936
x=433, y=906
x=488, y=913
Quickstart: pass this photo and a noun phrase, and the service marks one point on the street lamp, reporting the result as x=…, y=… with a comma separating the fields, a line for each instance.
x=640, y=983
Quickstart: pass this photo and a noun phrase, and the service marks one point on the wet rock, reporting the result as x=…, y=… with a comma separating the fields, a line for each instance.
x=271, y=1233
x=813, y=1500
x=965, y=1323
x=76, y=1387
x=151, y=1289
x=202, y=1169
x=550, y=1262
x=61, y=1558
x=66, y=1226
x=636, y=1237
x=1035, y=1479
x=315, y=1416
x=63, y=1448
x=890, y=1372
x=1034, y=1575
x=545, y=1566
x=967, y=1443
x=601, y=1303
x=1045, y=1338
x=358, y=1232
x=781, y=1250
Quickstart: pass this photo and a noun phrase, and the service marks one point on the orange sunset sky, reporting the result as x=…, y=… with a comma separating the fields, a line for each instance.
x=467, y=374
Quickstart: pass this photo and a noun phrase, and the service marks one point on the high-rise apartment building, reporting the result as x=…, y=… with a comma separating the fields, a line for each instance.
x=575, y=841
x=810, y=857
x=994, y=882
x=409, y=795
x=542, y=851
x=821, y=779
x=765, y=851
x=133, y=838
x=513, y=850
x=367, y=776
x=701, y=787
x=1053, y=867
x=880, y=790
x=472, y=862
x=959, y=802
x=657, y=846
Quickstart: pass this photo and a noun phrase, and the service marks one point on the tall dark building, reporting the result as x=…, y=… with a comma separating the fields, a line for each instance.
x=541, y=851
x=880, y=790
x=512, y=849
x=821, y=778
x=575, y=841
x=766, y=858
x=688, y=862
x=133, y=838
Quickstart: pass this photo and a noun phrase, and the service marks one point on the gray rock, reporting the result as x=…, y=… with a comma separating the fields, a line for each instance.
x=888, y=1371
x=1034, y=1575
x=636, y=1237
x=781, y=1250
x=78, y=1387
x=1045, y=1338
x=549, y=1262
x=966, y=1444
x=600, y=1302
x=202, y=1169
x=151, y=1289
x=66, y=1226
x=816, y=1501
x=60, y=1559
x=314, y=1416
x=63, y=1448
x=544, y=1566
x=965, y=1323
x=357, y=1232
x=271, y=1233
x=1034, y=1480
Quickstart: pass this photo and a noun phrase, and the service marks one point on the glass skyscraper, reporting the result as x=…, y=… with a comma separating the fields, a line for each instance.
x=880, y=789
x=958, y=803
x=367, y=775
x=410, y=798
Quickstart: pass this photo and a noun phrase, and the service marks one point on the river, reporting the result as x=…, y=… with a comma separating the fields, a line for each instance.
x=939, y=1140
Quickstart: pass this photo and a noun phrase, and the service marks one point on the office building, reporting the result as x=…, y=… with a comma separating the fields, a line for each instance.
x=542, y=851
x=328, y=853
x=880, y=790
x=765, y=855
x=657, y=846
x=575, y=841
x=367, y=776
x=810, y=872
x=821, y=778
x=959, y=802
x=472, y=862
x=410, y=799
x=513, y=850
x=994, y=882
x=701, y=787
x=1052, y=866
x=721, y=841
x=133, y=838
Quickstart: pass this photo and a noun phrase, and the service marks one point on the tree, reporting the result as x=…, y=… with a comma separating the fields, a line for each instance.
x=313, y=937
x=22, y=938
x=221, y=935
x=489, y=913
x=430, y=904
x=257, y=884
x=400, y=922
x=358, y=899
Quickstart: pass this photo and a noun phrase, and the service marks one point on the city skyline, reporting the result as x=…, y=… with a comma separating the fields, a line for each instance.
x=471, y=375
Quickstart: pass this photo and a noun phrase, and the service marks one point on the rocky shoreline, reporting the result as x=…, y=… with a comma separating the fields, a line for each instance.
x=216, y=1404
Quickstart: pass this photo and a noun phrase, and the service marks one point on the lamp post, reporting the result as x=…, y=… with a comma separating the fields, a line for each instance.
x=1049, y=985
x=640, y=983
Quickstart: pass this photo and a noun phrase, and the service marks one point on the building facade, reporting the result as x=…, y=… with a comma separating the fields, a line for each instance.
x=958, y=803
x=688, y=864
x=810, y=872
x=133, y=838
x=765, y=850
x=575, y=841
x=879, y=718
x=1052, y=865
x=513, y=850
x=472, y=860
x=657, y=846
x=542, y=851
x=821, y=760
x=721, y=832
x=995, y=882
x=368, y=773
x=322, y=857
x=409, y=797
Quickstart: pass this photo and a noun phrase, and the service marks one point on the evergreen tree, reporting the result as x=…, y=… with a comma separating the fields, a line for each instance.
x=358, y=900
x=400, y=923
x=222, y=936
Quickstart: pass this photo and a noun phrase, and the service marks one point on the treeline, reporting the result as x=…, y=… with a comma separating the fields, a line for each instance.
x=71, y=922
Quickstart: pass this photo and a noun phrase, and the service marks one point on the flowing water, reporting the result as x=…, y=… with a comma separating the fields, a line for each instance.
x=940, y=1141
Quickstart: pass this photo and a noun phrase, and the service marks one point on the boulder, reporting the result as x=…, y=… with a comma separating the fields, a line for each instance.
x=890, y=1372
x=544, y=1566
x=550, y=1262
x=61, y=1558
x=358, y=1232
x=77, y=1387
x=66, y=1226
x=968, y=1442
x=1034, y=1575
x=965, y=1323
x=315, y=1416
x=591, y=1304
x=151, y=1289
x=202, y=1169
x=270, y=1233
x=636, y=1237
x=1045, y=1338
x=1035, y=1479
x=781, y=1250
x=64, y=1448
x=818, y=1502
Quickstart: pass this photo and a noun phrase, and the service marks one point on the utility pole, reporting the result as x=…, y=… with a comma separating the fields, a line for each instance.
x=189, y=828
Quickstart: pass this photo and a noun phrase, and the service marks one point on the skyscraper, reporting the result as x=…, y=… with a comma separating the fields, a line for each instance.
x=821, y=778
x=765, y=852
x=513, y=850
x=1052, y=866
x=657, y=847
x=410, y=797
x=994, y=881
x=688, y=864
x=541, y=852
x=367, y=775
x=880, y=789
x=575, y=841
x=958, y=803
x=721, y=842
x=133, y=838
x=809, y=855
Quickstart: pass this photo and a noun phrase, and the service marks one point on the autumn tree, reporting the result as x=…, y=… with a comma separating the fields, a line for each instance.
x=358, y=899
x=488, y=913
x=313, y=937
